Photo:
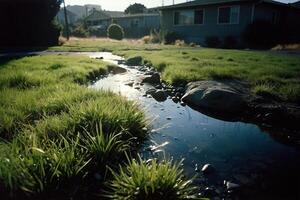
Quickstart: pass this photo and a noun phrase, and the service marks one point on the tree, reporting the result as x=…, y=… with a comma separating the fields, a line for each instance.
x=135, y=8
x=29, y=23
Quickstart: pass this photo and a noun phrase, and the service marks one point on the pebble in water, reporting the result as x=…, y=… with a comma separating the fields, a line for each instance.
x=207, y=169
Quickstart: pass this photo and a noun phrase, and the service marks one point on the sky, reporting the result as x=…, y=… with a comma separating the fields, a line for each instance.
x=121, y=5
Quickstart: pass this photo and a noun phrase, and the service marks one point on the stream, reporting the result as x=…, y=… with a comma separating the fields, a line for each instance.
x=240, y=153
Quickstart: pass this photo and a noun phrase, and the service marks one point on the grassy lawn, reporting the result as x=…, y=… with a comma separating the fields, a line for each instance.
x=61, y=140
x=53, y=128
x=267, y=73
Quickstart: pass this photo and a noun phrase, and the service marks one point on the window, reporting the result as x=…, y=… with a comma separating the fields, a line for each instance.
x=229, y=15
x=189, y=17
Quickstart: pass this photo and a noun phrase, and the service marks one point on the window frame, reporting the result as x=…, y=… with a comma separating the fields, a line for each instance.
x=230, y=23
x=193, y=24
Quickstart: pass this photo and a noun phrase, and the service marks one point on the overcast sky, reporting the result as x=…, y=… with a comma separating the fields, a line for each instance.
x=121, y=5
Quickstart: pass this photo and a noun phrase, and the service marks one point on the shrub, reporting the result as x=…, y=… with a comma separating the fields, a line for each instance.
x=146, y=39
x=212, y=41
x=61, y=41
x=171, y=37
x=80, y=31
x=142, y=180
x=156, y=36
x=261, y=34
x=230, y=42
x=180, y=43
x=115, y=31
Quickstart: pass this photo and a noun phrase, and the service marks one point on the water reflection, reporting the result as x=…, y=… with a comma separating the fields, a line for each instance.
x=240, y=152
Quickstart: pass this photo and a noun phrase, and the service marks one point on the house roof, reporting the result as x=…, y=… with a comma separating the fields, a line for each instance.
x=139, y=15
x=296, y=4
x=212, y=2
x=100, y=15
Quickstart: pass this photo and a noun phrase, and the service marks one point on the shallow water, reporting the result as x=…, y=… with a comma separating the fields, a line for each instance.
x=240, y=152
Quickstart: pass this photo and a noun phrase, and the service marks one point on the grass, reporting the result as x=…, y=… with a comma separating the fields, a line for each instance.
x=49, y=125
x=141, y=180
x=279, y=72
x=58, y=138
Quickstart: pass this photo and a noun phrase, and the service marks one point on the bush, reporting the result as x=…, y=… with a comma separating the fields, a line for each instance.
x=230, y=42
x=261, y=34
x=80, y=31
x=180, y=43
x=212, y=41
x=115, y=31
x=151, y=180
x=171, y=37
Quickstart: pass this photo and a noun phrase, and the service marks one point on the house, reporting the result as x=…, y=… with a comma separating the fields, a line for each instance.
x=197, y=20
x=296, y=4
x=135, y=26
x=76, y=12
x=138, y=25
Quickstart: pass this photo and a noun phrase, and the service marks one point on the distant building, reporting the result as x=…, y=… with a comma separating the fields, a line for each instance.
x=135, y=26
x=77, y=12
x=61, y=17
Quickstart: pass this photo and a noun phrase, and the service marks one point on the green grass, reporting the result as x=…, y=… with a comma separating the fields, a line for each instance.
x=51, y=142
x=58, y=138
x=141, y=180
x=279, y=72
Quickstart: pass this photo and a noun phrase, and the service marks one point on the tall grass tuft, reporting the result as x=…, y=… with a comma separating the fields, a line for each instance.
x=141, y=180
x=104, y=148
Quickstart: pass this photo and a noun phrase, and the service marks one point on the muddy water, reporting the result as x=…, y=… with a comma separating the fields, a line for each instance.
x=241, y=153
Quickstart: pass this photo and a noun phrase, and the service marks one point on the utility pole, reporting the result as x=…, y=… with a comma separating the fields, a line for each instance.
x=66, y=21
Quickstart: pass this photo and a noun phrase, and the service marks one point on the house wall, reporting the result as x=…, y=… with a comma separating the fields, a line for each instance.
x=139, y=26
x=198, y=33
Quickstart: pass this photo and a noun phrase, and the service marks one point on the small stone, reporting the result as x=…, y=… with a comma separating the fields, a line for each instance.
x=175, y=99
x=182, y=103
x=207, y=169
x=232, y=186
x=197, y=168
x=169, y=118
x=130, y=84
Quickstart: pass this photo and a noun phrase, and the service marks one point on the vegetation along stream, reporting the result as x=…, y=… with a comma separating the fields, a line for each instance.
x=244, y=161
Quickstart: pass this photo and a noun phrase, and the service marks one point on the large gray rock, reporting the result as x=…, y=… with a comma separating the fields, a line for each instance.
x=215, y=96
x=134, y=61
x=160, y=95
x=152, y=79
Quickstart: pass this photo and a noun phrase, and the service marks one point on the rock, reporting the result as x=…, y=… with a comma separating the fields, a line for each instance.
x=134, y=61
x=151, y=91
x=207, y=169
x=182, y=103
x=232, y=186
x=215, y=96
x=130, y=84
x=197, y=168
x=158, y=87
x=114, y=69
x=159, y=95
x=152, y=79
x=149, y=73
x=175, y=99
